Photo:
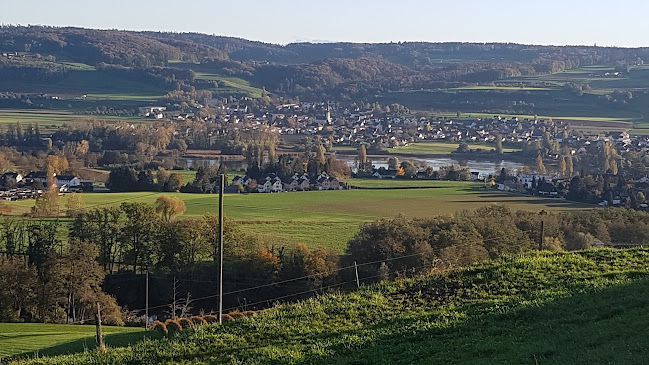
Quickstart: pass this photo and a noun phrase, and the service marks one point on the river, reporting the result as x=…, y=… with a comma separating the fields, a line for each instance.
x=482, y=166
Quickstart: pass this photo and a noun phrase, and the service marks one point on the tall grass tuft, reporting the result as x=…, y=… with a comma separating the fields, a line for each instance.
x=186, y=323
x=198, y=320
x=174, y=325
x=159, y=326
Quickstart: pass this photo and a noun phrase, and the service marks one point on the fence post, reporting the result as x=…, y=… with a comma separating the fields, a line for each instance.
x=100, y=336
x=542, y=235
x=358, y=283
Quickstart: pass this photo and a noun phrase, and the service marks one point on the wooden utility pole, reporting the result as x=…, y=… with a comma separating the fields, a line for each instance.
x=358, y=283
x=542, y=235
x=221, y=187
x=100, y=336
x=146, y=302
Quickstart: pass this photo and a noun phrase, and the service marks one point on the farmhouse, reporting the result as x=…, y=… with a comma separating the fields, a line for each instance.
x=36, y=177
x=10, y=179
x=67, y=182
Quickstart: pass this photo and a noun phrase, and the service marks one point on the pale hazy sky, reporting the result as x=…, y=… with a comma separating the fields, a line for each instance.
x=559, y=22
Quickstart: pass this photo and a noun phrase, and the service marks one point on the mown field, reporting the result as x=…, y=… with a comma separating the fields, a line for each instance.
x=49, y=120
x=56, y=339
x=539, y=308
x=424, y=148
x=330, y=218
x=229, y=84
x=430, y=148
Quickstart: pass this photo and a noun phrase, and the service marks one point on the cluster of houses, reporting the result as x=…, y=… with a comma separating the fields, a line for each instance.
x=553, y=186
x=272, y=183
x=15, y=186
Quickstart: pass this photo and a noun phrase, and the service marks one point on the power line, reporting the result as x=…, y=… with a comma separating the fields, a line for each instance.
x=345, y=268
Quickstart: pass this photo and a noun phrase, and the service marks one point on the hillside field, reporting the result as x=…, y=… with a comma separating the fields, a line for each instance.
x=330, y=218
x=585, y=307
x=50, y=120
x=57, y=339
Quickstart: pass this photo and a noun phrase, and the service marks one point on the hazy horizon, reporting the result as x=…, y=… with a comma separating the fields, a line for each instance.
x=283, y=22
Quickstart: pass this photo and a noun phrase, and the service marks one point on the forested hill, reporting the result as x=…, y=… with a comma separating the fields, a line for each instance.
x=304, y=68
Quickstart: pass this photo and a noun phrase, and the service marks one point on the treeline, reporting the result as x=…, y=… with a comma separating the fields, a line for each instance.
x=38, y=283
x=45, y=282
x=128, y=179
x=402, y=244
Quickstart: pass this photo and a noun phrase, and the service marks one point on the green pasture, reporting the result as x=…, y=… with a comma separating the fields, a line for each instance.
x=431, y=148
x=96, y=85
x=230, y=84
x=41, y=339
x=51, y=119
x=329, y=219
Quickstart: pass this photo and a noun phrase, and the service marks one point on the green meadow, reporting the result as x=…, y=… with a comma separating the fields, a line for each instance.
x=430, y=148
x=41, y=339
x=329, y=219
x=229, y=84
x=49, y=120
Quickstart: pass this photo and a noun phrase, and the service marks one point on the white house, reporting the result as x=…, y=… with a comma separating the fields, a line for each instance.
x=271, y=184
x=69, y=180
x=526, y=179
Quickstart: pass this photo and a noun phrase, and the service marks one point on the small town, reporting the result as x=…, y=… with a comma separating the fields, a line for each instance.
x=324, y=183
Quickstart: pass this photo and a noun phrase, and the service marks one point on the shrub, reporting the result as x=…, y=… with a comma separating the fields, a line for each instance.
x=249, y=313
x=159, y=326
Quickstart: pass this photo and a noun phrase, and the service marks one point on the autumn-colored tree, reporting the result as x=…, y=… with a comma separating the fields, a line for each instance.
x=563, y=167
x=82, y=147
x=47, y=204
x=569, y=165
x=540, y=167
x=17, y=284
x=499, y=144
x=316, y=264
x=83, y=277
x=75, y=205
x=321, y=158
x=362, y=157
x=174, y=183
x=266, y=264
x=58, y=164
x=393, y=163
x=162, y=176
x=168, y=208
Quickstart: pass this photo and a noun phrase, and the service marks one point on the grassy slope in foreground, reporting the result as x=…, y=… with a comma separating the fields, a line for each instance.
x=554, y=308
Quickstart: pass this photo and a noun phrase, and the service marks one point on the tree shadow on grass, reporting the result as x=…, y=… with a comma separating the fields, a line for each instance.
x=90, y=343
x=607, y=326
